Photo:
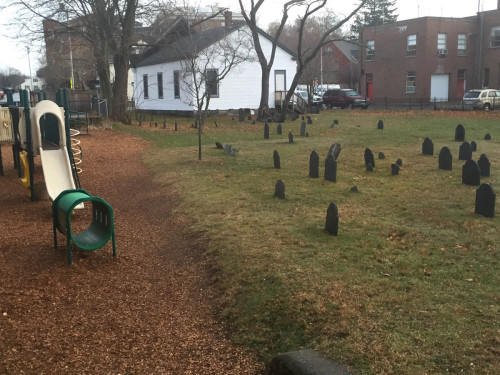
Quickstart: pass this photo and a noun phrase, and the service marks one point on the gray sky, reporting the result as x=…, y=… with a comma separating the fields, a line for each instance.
x=14, y=54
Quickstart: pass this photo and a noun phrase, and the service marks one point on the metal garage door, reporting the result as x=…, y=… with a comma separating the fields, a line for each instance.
x=440, y=84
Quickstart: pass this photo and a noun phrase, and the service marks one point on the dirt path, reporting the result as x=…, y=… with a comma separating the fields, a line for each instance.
x=150, y=310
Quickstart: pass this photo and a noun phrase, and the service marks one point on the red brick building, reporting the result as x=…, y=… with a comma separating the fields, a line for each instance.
x=435, y=58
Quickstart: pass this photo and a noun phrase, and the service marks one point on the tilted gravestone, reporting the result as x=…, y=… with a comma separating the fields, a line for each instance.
x=279, y=129
x=485, y=200
x=394, y=169
x=460, y=133
x=487, y=137
x=330, y=169
x=399, y=162
x=309, y=120
x=335, y=150
x=241, y=115
x=381, y=155
x=279, y=189
x=473, y=146
x=303, y=128
x=266, y=131
x=484, y=165
x=332, y=219
x=369, y=159
x=445, y=159
x=465, y=152
x=219, y=145
x=427, y=147
x=276, y=158
x=290, y=137
x=380, y=125
x=314, y=165
x=471, y=175
x=227, y=149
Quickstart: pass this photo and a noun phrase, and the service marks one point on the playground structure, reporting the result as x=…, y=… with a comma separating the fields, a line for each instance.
x=45, y=130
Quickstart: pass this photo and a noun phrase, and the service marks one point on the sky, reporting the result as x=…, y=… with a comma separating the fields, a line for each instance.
x=14, y=54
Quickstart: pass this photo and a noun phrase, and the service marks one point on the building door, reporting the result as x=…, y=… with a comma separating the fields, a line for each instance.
x=461, y=83
x=440, y=87
x=369, y=86
x=280, y=80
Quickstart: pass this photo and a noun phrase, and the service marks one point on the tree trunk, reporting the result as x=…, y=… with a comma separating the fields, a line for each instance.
x=120, y=98
x=102, y=67
x=264, y=95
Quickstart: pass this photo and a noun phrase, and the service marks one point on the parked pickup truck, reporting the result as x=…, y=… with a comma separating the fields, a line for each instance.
x=345, y=98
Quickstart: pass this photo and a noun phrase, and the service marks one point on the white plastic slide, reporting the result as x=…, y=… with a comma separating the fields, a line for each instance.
x=56, y=166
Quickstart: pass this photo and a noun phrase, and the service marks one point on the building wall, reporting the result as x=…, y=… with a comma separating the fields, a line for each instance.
x=490, y=52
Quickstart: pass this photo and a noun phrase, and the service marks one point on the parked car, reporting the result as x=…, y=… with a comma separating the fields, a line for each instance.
x=483, y=99
x=317, y=100
x=345, y=98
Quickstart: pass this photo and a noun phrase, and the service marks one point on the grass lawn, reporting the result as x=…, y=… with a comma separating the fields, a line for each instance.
x=411, y=283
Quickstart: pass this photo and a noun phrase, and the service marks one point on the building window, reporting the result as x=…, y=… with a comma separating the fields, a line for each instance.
x=177, y=91
x=462, y=44
x=328, y=51
x=369, y=77
x=370, y=50
x=145, y=88
x=160, y=85
x=410, y=82
x=411, y=45
x=495, y=36
x=211, y=82
x=441, y=45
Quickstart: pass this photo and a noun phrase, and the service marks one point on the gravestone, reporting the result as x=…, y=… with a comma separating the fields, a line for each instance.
x=460, y=133
x=290, y=137
x=369, y=167
x=487, y=137
x=445, y=159
x=354, y=189
x=279, y=129
x=303, y=128
x=381, y=155
x=234, y=151
x=241, y=115
x=249, y=118
x=336, y=122
x=314, y=165
x=309, y=120
x=307, y=134
x=380, y=125
x=175, y=126
x=276, y=158
x=227, y=149
x=335, y=150
x=369, y=159
x=471, y=175
x=332, y=125
x=465, y=152
x=330, y=169
x=164, y=124
x=485, y=200
x=394, y=169
x=219, y=145
x=332, y=219
x=279, y=190
x=473, y=146
x=484, y=165
x=427, y=147
x=399, y=162
x=266, y=131
x=315, y=109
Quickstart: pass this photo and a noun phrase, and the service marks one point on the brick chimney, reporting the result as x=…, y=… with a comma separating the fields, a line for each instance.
x=228, y=18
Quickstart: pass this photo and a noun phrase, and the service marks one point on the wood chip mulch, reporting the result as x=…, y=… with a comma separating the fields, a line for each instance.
x=150, y=310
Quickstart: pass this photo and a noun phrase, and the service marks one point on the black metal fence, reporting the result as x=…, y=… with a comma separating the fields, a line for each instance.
x=414, y=103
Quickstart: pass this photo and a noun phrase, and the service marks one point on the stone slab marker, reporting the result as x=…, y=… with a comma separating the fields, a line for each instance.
x=465, y=152
x=276, y=158
x=219, y=145
x=485, y=200
x=330, y=169
x=279, y=190
x=380, y=125
x=427, y=147
x=445, y=159
x=487, y=137
x=460, y=133
x=303, y=128
x=471, y=175
x=279, y=129
x=266, y=131
x=473, y=146
x=290, y=137
x=484, y=165
x=394, y=169
x=369, y=159
x=227, y=149
x=335, y=150
x=309, y=120
x=399, y=162
x=332, y=219
x=241, y=115
x=314, y=165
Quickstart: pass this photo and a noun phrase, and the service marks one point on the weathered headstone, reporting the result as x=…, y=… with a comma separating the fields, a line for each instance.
x=399, y=162
x=276, y=158
x=394, y=169
x=290, y=137
x=460, y=133
x=332, y=219
x=487, y=137
x=335, y=150
x=427, y=147
x=219, y=145
x=314, y=165
x=485, y=200
x=445, y=159
x=471, y=175
x=266, y=131
x=307, y=134
x=380, y=125
x=241, y=115
x=332, y=125
x=473, y=146
x=227, y=149
x=330, y=169
x=369, y=167
x=175, y=126
x=369, y=159
x=279, y=189
x=484, y=165
x=465, y=152
x=303, y=128
x=354, y=189
x=381, y=155
x=279, y=129
x=309, y=120
x=336, y=122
